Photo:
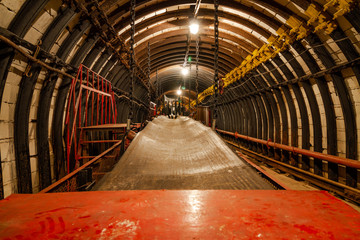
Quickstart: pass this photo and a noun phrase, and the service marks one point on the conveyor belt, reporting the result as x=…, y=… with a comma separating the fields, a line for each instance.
x=180, y=154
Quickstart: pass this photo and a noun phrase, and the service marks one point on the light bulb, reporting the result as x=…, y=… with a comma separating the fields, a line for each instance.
x=184, y=71
x=178, y=92
x=194, y=28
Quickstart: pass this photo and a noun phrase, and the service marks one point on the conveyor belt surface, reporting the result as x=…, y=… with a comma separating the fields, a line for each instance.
x=180, y=154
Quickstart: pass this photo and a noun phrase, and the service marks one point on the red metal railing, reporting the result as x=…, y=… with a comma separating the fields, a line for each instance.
x=330, y=158
x=71, y=175
x=91, y=102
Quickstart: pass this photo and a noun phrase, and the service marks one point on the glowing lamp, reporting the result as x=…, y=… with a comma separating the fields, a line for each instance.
x=194, y=28
x=184, y=71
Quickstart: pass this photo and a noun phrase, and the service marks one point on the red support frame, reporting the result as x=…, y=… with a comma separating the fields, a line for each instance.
x=100, y=91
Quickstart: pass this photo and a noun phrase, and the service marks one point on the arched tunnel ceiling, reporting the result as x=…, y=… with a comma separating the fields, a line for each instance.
x=244, y=26
x=306, y=95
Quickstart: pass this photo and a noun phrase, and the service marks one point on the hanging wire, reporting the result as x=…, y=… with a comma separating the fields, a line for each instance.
x=197, y=70
x=149, y=60
x=132, y=61
x=189, y=88
x=216, y=61
x=148, y=72
x=149, y=66
x=188, y=43
x=157, y=88
x=197, y=7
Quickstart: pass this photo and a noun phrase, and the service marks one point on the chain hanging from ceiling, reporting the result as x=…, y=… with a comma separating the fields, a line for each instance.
x=216, y=62
x=149, y=72
x=132, y=61
x=189, y=88
x=157, y=94
x=149, y=66
x=188, y=43
x=197, y=70
x=149, y=60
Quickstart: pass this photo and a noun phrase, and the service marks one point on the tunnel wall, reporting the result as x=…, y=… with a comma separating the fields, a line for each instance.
x=30, y=135
x=320, y=112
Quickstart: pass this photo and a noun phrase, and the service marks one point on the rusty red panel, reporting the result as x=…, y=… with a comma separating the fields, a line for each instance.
x=178, y=214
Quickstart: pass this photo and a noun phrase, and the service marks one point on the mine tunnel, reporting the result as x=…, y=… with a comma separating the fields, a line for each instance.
x=181, y=119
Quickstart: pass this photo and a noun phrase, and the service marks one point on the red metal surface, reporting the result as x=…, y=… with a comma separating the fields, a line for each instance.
x=323, y=156
x=213, y=214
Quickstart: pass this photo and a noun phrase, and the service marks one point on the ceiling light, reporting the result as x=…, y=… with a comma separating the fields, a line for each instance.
x=178, y=92
x=185, y=71
x=194, y=28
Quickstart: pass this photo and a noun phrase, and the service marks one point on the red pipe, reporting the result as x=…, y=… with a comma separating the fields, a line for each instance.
x=87, y=97
x=110, y=102
x=102, y=102
x=98, y=100
x=105, y=112
x=330, y=158
x=92, y=100
x=68, y=176
x=99, y=141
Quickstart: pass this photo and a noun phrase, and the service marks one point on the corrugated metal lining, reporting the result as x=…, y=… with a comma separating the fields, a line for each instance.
x=266, y=104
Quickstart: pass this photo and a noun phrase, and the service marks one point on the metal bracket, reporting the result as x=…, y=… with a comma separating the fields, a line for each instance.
x=36, y=53
x=213, y=124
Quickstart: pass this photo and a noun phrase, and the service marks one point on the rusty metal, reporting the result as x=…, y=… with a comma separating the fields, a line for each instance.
x=58, y=61
x=131, y=62
x=32, y=58
x=116, y=44
x=36, y=53
x=16, y=41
